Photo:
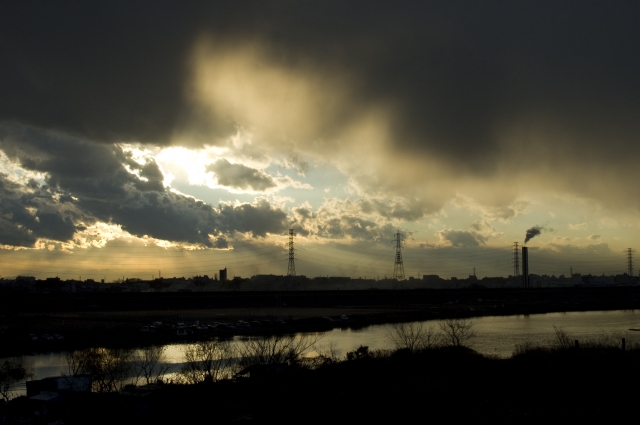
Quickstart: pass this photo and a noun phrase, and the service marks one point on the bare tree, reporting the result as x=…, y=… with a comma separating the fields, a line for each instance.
x=10, y=375
x=207, y=361
x=275, y=349
x=457, y=332
x=413, y=336
x=109, y=367
x=148, y=364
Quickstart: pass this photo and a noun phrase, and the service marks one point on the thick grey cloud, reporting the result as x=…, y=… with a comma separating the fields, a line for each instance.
x=107, y=71
x=29, y=212
x=485, y=89
x=454, y=70
x=337, y=222
x=461, y=238
x=152, y=175
x=221, y=243
x=92, y=180
x=595, y=248
x=258, y=219
x=240, y=176
x=410, y=209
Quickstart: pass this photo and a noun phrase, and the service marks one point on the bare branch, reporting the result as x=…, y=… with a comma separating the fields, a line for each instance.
x=457, y=332
x=413, y=336
x=207, y=361
x=275, y=349
x=148, y=364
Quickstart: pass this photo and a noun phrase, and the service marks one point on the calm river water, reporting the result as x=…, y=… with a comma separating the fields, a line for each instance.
x=495, y=335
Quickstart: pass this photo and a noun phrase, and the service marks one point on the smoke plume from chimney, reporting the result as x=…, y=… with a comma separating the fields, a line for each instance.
x=533, y=232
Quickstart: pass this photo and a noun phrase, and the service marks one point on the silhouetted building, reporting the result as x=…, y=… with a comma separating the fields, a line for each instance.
x=223, y=275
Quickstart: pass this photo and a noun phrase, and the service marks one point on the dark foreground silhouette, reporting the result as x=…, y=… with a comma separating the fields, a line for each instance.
x=447, y=383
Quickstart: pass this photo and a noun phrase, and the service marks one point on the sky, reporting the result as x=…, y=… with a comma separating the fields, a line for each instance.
x=140, y=139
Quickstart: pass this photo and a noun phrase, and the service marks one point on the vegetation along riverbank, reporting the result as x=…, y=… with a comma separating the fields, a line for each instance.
x=431, y=374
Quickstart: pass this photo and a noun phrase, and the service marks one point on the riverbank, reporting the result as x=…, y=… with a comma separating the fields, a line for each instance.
x=446, y=383
x=119, y=320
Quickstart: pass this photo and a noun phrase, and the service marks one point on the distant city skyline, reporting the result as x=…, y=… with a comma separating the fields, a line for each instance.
x=376, y=263
x=188, y=139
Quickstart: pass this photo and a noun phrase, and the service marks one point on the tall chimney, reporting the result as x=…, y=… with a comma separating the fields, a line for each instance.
x=525, y=267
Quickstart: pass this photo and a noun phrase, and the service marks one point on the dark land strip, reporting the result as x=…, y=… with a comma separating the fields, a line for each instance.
x=116, y=319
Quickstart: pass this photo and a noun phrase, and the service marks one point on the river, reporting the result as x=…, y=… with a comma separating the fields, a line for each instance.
x=494, y=335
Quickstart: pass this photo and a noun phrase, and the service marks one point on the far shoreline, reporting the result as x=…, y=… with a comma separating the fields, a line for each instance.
x=115, y=320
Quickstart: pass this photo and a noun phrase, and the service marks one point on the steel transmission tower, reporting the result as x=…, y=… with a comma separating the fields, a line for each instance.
x=516, y=260
x=398, y=267
x=292, y=263
x=630, y=261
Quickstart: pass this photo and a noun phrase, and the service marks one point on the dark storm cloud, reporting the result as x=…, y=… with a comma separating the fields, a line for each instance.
x=30, y=212
x=94, y=179
x=454, y=70
x=240, y=176
x=106, y=70
x=483, y=89
x=258, y=219
x=152, y=175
